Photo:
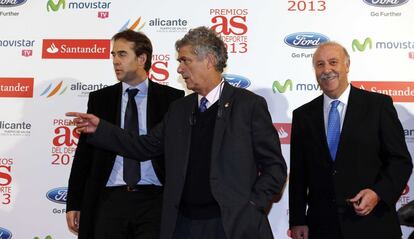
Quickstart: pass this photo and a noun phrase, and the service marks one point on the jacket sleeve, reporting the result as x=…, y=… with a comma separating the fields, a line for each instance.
x=129, y=144
x=81, y=166
x=268, y=156
x=397, y=165
x=298, y=175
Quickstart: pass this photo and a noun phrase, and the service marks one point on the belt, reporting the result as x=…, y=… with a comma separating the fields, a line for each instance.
x=136, y=188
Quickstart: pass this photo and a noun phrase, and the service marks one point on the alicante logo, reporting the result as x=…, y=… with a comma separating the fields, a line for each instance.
x=51, y=5
x=356, y=45
x=51, y=92
x=135, y=26
x=278, y=87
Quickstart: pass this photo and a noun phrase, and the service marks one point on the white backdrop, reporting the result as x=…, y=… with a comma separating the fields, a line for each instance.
x=54, y=52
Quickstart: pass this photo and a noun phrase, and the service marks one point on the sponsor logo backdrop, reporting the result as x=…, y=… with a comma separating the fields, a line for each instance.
x=50, y=67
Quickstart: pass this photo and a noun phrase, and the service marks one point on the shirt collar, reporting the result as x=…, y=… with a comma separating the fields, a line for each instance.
x=142, y=87
x=343, y=98
x=214, y=94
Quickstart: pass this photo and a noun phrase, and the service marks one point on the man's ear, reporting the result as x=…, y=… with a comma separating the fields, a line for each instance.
x=142, y=59
x=211, y=60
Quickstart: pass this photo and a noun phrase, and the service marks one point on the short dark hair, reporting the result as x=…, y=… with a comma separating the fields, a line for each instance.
x=142, y=44
x=203, y=41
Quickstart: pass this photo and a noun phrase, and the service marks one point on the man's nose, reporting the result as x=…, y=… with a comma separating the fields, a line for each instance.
x=180, y=69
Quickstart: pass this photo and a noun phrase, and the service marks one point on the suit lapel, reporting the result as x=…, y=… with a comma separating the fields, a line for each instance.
x=152, y=101
x=114, y=105
x=223, y=114
x=319, y=124
x=188, y=120
x=354, y=110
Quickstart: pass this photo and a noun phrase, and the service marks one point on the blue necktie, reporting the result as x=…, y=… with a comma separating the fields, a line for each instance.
x=334, y=128
x=131, y=169
x=203, y=104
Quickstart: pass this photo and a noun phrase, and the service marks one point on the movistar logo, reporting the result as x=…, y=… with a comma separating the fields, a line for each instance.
x=47, y=237
x=51, y=5
x=361, y=47
x=277, y=86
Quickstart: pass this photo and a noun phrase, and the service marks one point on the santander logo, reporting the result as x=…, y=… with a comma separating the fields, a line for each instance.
x=76, y=49
x=400, y=91
x=283, y=130
x=16, y=87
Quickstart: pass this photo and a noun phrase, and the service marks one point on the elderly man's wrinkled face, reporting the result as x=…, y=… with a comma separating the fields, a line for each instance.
x=331, y=70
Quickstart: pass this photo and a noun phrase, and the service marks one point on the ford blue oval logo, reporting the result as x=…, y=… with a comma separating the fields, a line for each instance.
x=57, y=195
x=386, y=3
x=305, y=39
x=5, y=234
x=11, y=3
x=237, y=81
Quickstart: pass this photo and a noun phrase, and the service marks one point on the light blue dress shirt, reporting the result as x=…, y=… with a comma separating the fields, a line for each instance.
x=148, y=175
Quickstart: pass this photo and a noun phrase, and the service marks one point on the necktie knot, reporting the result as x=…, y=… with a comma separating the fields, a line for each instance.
x=132, y=92
x=203, y=104
x=335, y=103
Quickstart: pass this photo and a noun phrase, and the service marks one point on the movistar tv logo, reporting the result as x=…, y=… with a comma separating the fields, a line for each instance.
x=135, y=26
x=277, y=86
x=51, y=92
x=56, y=5
x=51, y=5
x=361, y=47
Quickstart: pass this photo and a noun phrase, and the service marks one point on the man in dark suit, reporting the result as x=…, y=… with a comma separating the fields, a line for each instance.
x=222, y=153
x=99, y=203
x=349, y=160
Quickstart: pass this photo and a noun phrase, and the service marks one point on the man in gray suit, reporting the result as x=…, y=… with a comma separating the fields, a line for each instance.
x=222, y=154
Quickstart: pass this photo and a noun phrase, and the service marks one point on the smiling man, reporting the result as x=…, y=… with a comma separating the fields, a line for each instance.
x=222, y=154
x=349, y=161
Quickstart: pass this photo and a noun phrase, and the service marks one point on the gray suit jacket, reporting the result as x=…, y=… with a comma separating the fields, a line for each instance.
x=246, y=164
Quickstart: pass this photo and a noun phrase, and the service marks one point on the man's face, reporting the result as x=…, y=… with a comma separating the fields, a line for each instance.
x=331, y=70
x=126, y=63
x=192, y=69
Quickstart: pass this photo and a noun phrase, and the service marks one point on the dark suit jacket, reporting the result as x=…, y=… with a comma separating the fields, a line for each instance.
x=372, y=153
x=244, y=143
x=91, y=166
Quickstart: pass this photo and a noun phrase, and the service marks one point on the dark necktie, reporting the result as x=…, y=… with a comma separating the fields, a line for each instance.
x=203, y=104
x=132, y=169
x=334, y=128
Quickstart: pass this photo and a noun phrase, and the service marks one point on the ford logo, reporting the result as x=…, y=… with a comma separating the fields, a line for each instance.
x=5, y=234
x=11, y=3
x=386, y=3
x=237, y=81
x=305, y=39
x=57, y=195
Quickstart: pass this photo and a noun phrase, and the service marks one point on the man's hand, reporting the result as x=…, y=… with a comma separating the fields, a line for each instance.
x=364, y=202
x=85, y=123
x=299, y=232
x=72, y=219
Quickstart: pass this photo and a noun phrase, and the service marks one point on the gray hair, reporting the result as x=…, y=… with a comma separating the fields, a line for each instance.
x=205, y=41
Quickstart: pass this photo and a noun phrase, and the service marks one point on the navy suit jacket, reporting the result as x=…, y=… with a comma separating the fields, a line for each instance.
x=372, y=153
